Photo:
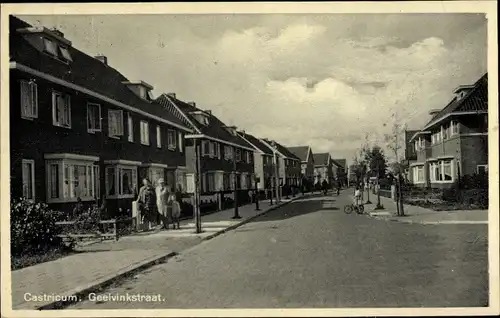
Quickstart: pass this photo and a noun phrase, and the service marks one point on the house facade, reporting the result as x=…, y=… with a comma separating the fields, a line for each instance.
x=79, y=129
x=263, y=160
x=342, y=171
x=454, y=143
x=289, y=169
x=323, y=168
x=305, y=154
x=226, y=160
x=410, y=153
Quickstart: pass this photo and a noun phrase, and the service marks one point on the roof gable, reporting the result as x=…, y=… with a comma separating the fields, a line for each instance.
x=341, y=163
x=322, y=159
x=475, y=100
x=301, y=152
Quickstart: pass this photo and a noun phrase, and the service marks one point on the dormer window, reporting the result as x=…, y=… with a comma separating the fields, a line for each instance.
x=50, y=46
x=201, y=117
x=51, y=42
x=141, y=89
x=232, y=130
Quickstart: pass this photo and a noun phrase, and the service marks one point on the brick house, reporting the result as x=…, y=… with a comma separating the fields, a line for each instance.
x=288, y=164
x=305, y=154
x=454, y=143
x=341, y=170
x=323, y=168
x=79, y=128
x=263, y=160
x=224, y=155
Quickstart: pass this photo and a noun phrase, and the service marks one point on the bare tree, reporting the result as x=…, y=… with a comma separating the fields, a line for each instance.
x=395, y=143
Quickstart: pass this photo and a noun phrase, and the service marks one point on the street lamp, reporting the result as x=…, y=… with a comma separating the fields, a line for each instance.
x=257, y=180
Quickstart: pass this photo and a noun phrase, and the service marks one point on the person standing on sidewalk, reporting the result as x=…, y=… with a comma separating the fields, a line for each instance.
x=174, y=210
x=147, y=201
x=162, y=195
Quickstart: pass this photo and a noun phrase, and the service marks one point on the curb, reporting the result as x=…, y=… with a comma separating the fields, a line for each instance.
x=80, y=293
x=232, y=227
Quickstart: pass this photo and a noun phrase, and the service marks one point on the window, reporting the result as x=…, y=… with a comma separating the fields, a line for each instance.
x=238, y=155
x=93, y=117
x=441, y=171
x=232, y=180
x=65, y=53
x=69, y=180
x=418, y=174
x=250, y=157
x=154, y=174
x=203, y=182
x=28, y=179
x=158, y=136
x=50, y=47
x=61, y=110
x=217, y=150
x=115, y=123
x=454, y=128
x=226, y=181
x=144, y=132
x=482, y=169
x=204, y=148
x=29, y=99
x=121, y=181
x=172, y=144
x=130, y=127
x=211, y=146
x=181, y=179
x=228, y=153
x=243, y=181
x=181, y=145
x=210, y=182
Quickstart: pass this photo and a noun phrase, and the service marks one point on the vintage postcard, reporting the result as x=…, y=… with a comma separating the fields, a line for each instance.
x=249, y=159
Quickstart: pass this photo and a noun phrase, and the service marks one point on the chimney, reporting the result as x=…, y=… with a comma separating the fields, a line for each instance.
x=171, y=95
x=190, y=103
x=57, y=32
x=243, y=133
x=102, y=58
x=433, y=112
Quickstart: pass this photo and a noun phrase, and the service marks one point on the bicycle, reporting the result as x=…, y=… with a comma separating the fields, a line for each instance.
x=360, y=209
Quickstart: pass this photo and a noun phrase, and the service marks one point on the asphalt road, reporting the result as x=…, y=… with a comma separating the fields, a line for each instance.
x=310, y=254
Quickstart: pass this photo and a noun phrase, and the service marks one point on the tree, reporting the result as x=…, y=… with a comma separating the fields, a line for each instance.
x=376, y=162
x=396, y=144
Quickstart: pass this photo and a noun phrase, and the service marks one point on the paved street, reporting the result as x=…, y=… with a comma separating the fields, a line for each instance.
x=310, y=254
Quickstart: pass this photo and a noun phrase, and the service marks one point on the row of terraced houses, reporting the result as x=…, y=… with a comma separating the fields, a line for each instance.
x=81, y=129
x=454, y=143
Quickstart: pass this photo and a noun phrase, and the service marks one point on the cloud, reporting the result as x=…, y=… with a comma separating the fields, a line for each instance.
x=325, y=80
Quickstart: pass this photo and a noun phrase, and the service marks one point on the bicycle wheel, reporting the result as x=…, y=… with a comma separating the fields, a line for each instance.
x=361, y=209
x=348, y=209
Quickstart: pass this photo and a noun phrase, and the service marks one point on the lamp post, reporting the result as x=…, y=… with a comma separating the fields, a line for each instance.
x=257, y=180
x=236, y=212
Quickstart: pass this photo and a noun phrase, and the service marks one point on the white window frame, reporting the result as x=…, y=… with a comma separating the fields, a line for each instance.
x=31, y=164
x=116, y=131
x=455, y=128
x=172, y=139
x=211, y=149
x=130, y=127
x=416, y=179
x=89, y=129
x=158, y=136
x=93, y=182
x=65, y=53
x=47, y=48
x=29, y=111
x=441, y=165
x=67, y=101
x=144, y=129
x=181, y=143
x=485, y=168
x=118, y=180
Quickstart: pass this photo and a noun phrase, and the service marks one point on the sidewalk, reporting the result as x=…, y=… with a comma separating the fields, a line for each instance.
x=416, y=214
x=95, y=266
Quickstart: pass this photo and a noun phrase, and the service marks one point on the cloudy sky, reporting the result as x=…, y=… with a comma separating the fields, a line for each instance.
x=322, y=80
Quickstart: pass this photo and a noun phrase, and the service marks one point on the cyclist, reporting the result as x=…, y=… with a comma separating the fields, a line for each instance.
x=357, y=196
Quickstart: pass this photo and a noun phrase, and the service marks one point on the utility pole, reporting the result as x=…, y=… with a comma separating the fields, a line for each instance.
x=236, y=212
x=197, y=188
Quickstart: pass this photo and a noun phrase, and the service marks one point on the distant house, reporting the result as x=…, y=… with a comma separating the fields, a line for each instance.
x=341, y=170
x=79, y=129
x=263, y=160
x=288, y=163
x=305, y=154
x=410, y=152
x=454, y=143
x=323, y=168
x=225, y=157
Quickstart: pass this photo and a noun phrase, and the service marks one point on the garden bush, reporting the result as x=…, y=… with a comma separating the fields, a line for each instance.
x=33, y=228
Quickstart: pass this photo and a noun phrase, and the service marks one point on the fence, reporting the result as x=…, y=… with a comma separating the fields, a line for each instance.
x=105, y=229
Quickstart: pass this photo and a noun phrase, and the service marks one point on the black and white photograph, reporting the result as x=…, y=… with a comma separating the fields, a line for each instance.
x=257, y=159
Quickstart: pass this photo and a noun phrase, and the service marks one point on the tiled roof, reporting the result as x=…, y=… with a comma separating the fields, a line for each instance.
x=257, y=143
x=300, y=152
x=475, y=100
x=282, y=149
x=341, y=162
x=215, y=127
x=321, y=159
x=84, y=71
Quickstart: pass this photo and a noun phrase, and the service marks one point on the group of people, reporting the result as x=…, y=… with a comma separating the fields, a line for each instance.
x=159, y=206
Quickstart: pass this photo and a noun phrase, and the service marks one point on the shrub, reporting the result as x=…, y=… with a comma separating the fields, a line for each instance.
x=32, y=227
x=88, y=221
